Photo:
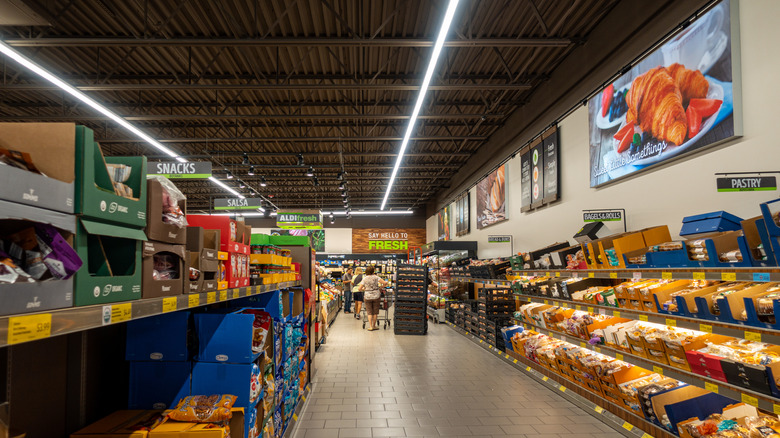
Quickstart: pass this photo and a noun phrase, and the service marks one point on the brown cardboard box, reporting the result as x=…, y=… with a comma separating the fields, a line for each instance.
x=156, y=229
x=176, y=429
x=206, y=244
x=152, y=288
x=120, y=424
x=192, y=260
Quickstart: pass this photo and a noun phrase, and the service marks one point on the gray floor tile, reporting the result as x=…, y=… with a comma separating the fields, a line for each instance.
x=388, y=431
x=355, y=432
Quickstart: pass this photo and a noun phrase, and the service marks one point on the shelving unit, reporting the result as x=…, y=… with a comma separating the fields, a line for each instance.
x=31, y=327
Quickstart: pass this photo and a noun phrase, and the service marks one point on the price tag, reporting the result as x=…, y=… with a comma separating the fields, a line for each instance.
x=628, y=426
x=557, y=274
x=728, y=276
x=698, y=275
x=671, y=322
x=760, y=276
x=506, y=357
x=578, y=307
x=223, y=295
x=169, y=304
x=211, y=298
x=480, y=341
x=591, y=274
x=528, y=368
x=590, y=309
x=28, y=328
x=752, y=336
x=637, y=276
x=546, y=302
x=545, y=378
x=550, y=334
x=598, y=349
x=562, y=388
x=546, y=274
x=646, y=435
x=598, y=409
x=616, y=314
x=236, y=293
x=705, y=328
x=514, y=361
x=555, y=303
x=776, y=409
x=619, y=356
x=303, y=397
x=575, y=275
x=193, y=300
x=121, y=312
x=643, y=318
x=613, y=275
x=666, y=275
x=658, y=370
x=711, y=387
x=295, y=417
x=582, y=344
x=749, y=400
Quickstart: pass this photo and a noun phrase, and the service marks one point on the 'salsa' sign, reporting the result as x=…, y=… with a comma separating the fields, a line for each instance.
x=177, y=170
x=237, y=203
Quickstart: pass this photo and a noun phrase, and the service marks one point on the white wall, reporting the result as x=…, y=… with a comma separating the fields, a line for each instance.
x=660, y=196
x=337, y=240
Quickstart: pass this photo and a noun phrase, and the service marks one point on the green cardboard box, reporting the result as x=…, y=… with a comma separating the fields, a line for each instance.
x=290, y=240
x=260, y=239
x=112, y=263
x=95, y=196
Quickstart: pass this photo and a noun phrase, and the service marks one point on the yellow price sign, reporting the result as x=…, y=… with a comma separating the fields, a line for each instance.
x=618, y=356
x=671, y=322
x=211, y=298
x=776, y=409
x=658, y=370
x=545, y=378
x=591, y=274
x=193, y=300
x=752, y=336
x=546, y=302
x=562, y=388
x=613, y=275
x=582, y=344
x=711, y=387
x=528, y=368
x=28, y=328
x=705, y=328
x=598, y=409
x=169, y=304
x=235, y=294
x=514, y=361
x=578, y=307
x=590, y=309
x=666, y=275
x=546, y=274
x=506, y=357
x=698, y=275
x=628, y=426
x=643, y=318
x=598, y=349
x=749, y=400
x=121, y=312
x=295, y=417
x=646, y=435
x=616, y=314
x=303, y=397
x=728, y=276
x=557, y=274
x=223, y=295
x=480, y=341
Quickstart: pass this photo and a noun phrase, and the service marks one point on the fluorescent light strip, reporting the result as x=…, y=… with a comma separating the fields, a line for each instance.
x=225, y=186
x=437, y=47
x=336, y=213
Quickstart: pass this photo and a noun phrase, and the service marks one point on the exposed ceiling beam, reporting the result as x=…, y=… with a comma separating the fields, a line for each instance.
x=282, y=42
x=243, y=76
x=273, y=87
x=142, y=105
x=296, y=139
x=188, y=117
x=320, y=154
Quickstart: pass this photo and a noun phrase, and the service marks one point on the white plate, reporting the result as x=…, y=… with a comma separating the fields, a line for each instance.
x=603, y=122
x=715, y=92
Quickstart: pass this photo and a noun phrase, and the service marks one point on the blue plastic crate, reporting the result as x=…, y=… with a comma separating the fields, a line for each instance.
x=710, y=223
x=158, y=385
x=162, y=337
x=507, y=333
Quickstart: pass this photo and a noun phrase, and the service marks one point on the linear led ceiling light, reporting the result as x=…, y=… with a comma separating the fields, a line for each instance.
x=78, y=94
x=445, y=27
x=328, y=212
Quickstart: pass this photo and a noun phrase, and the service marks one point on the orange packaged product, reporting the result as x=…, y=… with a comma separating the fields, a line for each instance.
x=203, y=409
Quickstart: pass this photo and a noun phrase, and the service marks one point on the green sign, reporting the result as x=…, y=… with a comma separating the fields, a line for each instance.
x=237, y=203
x=750, y=184
x=299, y=220
x=177, y=170
x=389, y=244
x=602, y=216
x=499, y=239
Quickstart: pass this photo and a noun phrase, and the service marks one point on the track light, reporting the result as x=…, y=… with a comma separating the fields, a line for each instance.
x=315, y=181
x=332, y=220
x=300, y=160
x=262, y=181
x=310, y=172
x=340, y=176
x=343, y=193
x=245, y=160
x=229, y=175
x=251, y=171
x=341, y=186
x=241, y=185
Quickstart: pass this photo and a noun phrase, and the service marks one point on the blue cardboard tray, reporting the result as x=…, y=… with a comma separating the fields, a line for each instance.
x=710, y=223
x=158, y=385
x=159, y=338
x=225, y=337
x=224, y=378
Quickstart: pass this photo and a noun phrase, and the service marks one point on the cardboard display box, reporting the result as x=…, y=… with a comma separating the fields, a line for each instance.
x=112, y=263
x=228, y=228
x=709, y=223
x=121, y=424
x=176, y=429
x=158, y=338
x=224, y=378
x=162, y=288
x=192, y=260
x=158, y=385
x=225, y=337
x=95, y=196
x=205, y=243
x=52, y=148
x=156, y=229
x=43, y=295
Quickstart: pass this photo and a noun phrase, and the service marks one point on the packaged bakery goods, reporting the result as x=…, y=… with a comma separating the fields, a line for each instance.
x=203, y=409
x=171, y=198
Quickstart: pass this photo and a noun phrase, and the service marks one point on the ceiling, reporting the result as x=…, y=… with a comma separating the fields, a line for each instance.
x=333, y=80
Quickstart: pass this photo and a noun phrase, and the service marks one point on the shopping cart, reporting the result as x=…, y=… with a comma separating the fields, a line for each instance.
x=385, y=302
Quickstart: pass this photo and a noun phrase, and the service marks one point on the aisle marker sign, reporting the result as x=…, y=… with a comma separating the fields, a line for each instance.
x=169, y=304
x=28, y=328
x=177, y=170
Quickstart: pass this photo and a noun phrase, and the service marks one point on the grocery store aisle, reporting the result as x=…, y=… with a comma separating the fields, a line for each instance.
x=377, y=384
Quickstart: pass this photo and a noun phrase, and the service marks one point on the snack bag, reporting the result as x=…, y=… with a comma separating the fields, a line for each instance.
x=203, y=409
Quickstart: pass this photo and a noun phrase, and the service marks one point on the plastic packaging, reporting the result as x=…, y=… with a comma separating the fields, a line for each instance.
x=203, y=409
x=171, y=197
x=166, y=266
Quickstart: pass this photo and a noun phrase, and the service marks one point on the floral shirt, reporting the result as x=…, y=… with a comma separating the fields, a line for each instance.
x=371, y=284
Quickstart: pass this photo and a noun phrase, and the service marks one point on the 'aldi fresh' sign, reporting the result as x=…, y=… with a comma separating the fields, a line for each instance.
x=177, y=170
x=237, y=203
x=299, y=220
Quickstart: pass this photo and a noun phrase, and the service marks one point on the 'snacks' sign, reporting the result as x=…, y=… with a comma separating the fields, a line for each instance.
x=177, y=170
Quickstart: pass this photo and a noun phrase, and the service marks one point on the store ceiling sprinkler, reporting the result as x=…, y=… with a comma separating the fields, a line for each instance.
x=251, y=171
x=262, y=182
x=437, y=47
x=310, y=172
x=300, y=160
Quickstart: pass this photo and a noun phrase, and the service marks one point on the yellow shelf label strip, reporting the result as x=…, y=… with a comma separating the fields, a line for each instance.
x=28, y=328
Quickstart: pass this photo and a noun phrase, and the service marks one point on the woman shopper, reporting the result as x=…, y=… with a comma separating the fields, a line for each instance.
x=370, y=286
x=357, y=295
x=346, y=281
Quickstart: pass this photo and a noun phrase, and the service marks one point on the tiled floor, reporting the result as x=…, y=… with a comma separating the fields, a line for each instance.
x=382, y=385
